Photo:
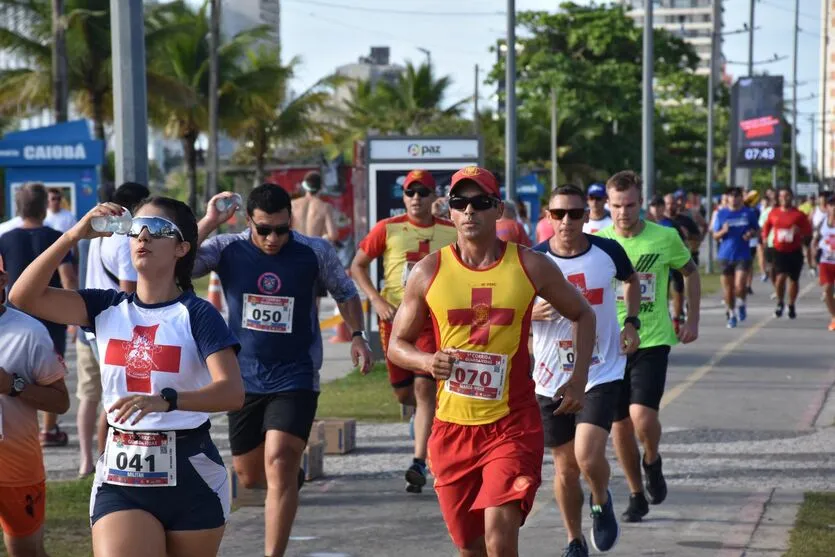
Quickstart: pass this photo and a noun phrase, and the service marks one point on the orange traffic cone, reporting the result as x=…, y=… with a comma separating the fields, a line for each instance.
x=341, y=331
x=215, y=294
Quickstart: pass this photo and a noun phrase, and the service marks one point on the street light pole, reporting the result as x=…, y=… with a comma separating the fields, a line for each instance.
x=554, y=162
x=822, y=156
x=214, y=69
x=648, y=169
x=794, y=98
x=510, y=104
x=711, y=86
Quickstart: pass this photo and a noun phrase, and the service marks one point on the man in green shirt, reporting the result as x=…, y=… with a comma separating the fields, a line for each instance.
x=654, y=250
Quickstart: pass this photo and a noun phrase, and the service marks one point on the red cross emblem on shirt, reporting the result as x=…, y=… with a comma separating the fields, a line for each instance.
x=594, y=296
x=480, y=316
x=422, y=251
x=141, y=356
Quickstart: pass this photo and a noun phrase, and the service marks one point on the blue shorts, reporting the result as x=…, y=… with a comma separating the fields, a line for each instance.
x=200, y=500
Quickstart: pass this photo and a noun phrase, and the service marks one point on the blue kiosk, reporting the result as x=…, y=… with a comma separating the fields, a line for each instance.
x=61, y=156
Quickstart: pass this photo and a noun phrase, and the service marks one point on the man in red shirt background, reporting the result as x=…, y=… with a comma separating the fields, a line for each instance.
x=509, y=229
x=792, y=231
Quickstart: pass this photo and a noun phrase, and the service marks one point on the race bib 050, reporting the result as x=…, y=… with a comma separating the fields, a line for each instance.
x=269, y=314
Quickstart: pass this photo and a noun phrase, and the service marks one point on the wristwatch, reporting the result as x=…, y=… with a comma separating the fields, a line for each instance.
x=18, y=384
x=360, y=334
x=634, y=321
x=169, y=395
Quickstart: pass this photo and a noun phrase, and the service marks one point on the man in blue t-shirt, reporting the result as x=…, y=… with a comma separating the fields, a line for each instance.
x=735, y=225
x=270, y=275
x=18, y=248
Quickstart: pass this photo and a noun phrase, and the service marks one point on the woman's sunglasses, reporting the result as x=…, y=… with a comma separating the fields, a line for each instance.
x=421, y=192
x=157, y=227
x=479, y=202
x=573, y=214
x=264, y=230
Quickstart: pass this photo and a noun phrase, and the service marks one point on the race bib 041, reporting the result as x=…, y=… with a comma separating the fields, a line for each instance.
x=647, y=288
x=478, y=375
x=269, y=314
x=141, y=458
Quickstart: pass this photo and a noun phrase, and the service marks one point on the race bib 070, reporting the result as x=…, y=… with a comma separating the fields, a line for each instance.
x=269, y=314
x=478, y=375
x=141, y=459
x=647, y=288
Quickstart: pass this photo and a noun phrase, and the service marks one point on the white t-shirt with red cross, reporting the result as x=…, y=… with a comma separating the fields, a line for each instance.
x=594, y=273
x=827, y=242
x=144, y=348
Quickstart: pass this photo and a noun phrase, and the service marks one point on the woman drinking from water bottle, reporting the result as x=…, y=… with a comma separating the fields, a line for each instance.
x=167, y=361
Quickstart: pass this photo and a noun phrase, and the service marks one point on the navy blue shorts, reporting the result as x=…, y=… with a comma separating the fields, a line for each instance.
x=200, y=500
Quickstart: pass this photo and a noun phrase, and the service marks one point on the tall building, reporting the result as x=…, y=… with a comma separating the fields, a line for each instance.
x=826, y=94
x=238, y=15
x=692, y=20
x=375, y=67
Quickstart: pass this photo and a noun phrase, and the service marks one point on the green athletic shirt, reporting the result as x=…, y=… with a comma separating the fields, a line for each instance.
x=653, y=252
x=764, y=217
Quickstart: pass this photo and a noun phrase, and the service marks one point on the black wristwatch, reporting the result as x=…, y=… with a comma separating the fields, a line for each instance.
x=634, y=321
x=169, y=395
x=362, y=334
x=18, y=384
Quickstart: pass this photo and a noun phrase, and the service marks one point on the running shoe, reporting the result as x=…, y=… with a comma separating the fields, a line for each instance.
x=773, y=296
x=832, y=324
x=792, y=313
x=637, y=509
x=743, y=313
x=778, y=311
x=750, y=291
x=764, y=278
x=577, y=548
x=54, y=438
x=416, y=477
x=655, y=483
x=605, y=530
x=732, y=322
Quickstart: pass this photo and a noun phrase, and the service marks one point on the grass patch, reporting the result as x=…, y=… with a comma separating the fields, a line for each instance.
x=710, y=283
x=813, y=534
x=67, y=529
x=360, y=397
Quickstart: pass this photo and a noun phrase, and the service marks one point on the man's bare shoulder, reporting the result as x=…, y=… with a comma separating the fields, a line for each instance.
x=425, y=270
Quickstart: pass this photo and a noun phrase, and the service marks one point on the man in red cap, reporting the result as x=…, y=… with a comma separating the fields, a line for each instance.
x=487, y=440
x=402, y=241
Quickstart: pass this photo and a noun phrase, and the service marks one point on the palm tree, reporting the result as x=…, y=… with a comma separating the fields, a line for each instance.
x=182, y=59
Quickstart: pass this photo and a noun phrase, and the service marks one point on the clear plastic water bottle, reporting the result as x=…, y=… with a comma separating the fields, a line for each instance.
x=118, y=224
x=223, y=204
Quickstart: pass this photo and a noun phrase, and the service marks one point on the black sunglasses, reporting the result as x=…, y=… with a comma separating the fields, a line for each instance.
x=479, y=202
x=158, y=227
x=421, y=192
x=264, y=230
x=573, y=214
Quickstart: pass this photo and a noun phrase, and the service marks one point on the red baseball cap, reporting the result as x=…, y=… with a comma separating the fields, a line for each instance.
x=479, y=176
x=421, y=177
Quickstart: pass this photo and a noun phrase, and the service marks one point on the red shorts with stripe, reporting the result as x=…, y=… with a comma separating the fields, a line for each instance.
x=483, y=466
x=399, y=377
x=826, y=273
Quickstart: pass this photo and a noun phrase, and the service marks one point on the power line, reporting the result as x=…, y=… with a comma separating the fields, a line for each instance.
x=393, y=10
x=790, y=10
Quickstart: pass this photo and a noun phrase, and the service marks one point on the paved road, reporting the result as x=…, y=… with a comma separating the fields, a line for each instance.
x=746, y=421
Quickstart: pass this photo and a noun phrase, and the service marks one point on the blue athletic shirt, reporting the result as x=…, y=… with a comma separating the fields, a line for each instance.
x=733, y=247
x=272, y=305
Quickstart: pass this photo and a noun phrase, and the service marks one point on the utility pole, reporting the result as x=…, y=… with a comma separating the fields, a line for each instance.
x=476, y=122
x=60, y=87
x=213, y=166
x=774, y=177
x=746, y=173
x=794, y=98
x=510, y=104
x=130, y=100
x=822, y=155
x=711, y=100
x=812, y=162
x=647, y=151
x=554, y=162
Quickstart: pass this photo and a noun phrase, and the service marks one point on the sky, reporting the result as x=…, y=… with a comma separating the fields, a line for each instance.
x=459, y=33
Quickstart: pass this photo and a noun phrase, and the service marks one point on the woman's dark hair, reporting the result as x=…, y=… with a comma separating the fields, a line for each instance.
x=270, y=198
x=180, y=214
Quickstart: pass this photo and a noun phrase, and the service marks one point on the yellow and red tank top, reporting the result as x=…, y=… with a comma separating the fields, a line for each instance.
x=484, y=314
x=402, y=243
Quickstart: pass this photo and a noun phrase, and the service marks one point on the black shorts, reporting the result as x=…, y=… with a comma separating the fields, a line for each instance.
x=643, y=382
x=598, y=409
x=753, y=252
x=789, y=263
x=729, y=267
x=769, y=255
x=199, y=501
x=292, y=412
x=677, y=281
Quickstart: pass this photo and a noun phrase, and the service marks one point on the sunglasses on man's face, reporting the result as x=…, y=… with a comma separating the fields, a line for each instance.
x=264, y=230
x=573, y=214
x=420, y=192
x=479, y=202
x=157, y=227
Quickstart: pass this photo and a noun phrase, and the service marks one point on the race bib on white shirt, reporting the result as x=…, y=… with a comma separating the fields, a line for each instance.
x=785, y=235
x=269, y=314
x=407, y=270
x=565, y=353
x=478, y=375
x=140, y=459
x=647, y=288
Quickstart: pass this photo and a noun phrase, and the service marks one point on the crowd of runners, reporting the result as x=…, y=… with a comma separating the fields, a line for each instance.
x=502, y=349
